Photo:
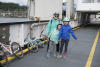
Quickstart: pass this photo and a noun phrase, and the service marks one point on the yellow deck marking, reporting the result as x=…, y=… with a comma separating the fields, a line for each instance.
x=90, y=58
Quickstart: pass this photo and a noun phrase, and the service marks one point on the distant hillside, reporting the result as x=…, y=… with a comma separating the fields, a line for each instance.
x=12, y=7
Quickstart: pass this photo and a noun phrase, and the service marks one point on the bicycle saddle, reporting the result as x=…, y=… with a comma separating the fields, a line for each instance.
x=33, y=38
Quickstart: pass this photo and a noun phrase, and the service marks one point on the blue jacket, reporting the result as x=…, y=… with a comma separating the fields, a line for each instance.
x=65, y=31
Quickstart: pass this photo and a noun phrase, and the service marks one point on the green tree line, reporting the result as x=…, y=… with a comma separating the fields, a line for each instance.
x=12, y=7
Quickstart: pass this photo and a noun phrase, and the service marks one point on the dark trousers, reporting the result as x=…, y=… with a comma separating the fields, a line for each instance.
x=1, y=65
x=57, y=47
x=64, y=42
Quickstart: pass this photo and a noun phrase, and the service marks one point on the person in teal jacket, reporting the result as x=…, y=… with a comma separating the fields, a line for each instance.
x=52, y=33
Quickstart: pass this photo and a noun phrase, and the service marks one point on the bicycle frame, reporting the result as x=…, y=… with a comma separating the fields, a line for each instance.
x=44, y=36
x=28, y=40
x=7, y=48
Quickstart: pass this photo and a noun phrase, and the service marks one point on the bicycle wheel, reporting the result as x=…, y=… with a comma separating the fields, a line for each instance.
x=17, y=50
x=40, y=43
x=29, y=45
x=33, y=47
x=3, y=55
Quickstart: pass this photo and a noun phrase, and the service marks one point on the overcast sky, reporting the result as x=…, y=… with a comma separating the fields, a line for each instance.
x=21, y=2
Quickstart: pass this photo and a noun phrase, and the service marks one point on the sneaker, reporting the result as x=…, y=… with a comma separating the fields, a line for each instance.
x=65, y=53
x=48, y=55
x=59, y=56
x=55, y=55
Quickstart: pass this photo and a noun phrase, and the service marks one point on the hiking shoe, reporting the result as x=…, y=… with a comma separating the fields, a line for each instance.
x=48, y=55
x=55, y=55
x=65, y=53
x=59, y=56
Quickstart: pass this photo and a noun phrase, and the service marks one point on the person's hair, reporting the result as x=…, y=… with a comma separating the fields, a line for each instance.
x=66, y=21
x=56, y=14
x=58, y=25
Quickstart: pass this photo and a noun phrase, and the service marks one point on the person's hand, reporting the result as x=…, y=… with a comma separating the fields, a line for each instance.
x=59, y=41
x=48, y=38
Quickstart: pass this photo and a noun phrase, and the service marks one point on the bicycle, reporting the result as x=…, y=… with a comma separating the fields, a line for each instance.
x=44, y=37
x=41, y=40
x=31, y=43
x=13, y=49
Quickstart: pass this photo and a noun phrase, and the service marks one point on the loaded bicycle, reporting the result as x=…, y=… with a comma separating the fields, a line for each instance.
x=10, y=50
x=31, y=43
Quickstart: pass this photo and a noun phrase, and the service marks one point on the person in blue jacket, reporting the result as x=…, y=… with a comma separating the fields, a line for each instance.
x=64, y=36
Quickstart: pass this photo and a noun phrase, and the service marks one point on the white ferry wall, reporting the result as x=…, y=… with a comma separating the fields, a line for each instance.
x=18, y=32
x=44, y=8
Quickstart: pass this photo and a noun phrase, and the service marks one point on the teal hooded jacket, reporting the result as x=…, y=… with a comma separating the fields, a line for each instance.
x=51, y=30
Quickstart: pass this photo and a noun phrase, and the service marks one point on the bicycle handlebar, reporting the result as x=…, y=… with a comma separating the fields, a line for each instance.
x=45, y=35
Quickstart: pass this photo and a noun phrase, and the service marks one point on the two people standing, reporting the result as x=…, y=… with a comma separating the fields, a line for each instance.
x=52, y=32
x=58, y=33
